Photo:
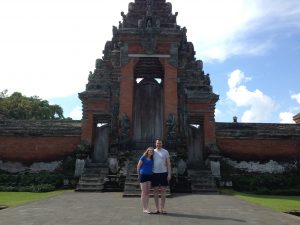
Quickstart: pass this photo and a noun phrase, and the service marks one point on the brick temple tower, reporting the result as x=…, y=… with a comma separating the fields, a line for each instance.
x=148, y=84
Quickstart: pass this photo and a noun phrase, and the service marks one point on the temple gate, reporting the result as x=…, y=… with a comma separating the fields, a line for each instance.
x=149, y=85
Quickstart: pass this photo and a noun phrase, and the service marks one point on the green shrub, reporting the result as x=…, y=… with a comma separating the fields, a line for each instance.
x=267, y=183
x=33, y=182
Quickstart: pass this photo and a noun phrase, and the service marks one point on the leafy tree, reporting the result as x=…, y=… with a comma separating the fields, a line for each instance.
x=18, y=106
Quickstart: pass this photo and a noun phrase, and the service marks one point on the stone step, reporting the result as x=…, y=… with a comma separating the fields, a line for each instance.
x=96, y=170
x=89, y=187
x=90, y=183
x=200, y=173
x=96, y=165
x=204, y=180
x=91, y=178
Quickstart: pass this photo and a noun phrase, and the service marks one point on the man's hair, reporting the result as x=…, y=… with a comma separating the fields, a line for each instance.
x=158, y=139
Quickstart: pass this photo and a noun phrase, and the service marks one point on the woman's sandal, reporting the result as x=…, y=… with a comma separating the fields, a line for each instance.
x=156, y=212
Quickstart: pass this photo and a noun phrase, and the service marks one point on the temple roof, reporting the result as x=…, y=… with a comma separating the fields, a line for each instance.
x=149, y=13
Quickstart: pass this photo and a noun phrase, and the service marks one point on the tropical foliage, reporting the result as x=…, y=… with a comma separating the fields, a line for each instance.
x=18, y=106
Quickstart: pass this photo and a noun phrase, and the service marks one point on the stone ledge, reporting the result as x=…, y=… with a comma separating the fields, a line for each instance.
x=40, y=128
x=259, y=130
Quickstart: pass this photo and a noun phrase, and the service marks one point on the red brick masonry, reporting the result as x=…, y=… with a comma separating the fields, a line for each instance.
x=42, y=141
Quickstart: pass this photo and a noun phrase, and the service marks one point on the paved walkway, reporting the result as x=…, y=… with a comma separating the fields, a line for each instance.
x=74, y=208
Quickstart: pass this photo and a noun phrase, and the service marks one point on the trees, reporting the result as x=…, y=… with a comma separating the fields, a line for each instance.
x=18, y=106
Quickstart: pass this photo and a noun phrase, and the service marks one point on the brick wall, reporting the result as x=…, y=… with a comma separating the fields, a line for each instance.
x=38, y=141
x=259, y=141
x=36, y=149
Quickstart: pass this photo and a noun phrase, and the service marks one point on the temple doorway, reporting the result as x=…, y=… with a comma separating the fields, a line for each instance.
x=101, y=144
x=195, y=144
x=148, y=103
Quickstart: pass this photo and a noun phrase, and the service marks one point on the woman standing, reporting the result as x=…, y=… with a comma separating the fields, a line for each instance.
x=144, y=169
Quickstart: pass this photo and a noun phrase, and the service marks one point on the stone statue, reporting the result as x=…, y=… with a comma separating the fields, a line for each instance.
x=115, y=30
x=171, y=124
x=149, y=24
x=123, y=15
x=149, y=2
x=199, y=65
x=140, y=23
x=207, y=79
x=157, y=23
x=99, y=63
x=169, y=8
x=125, y=126
x=149, y=11
x=130, y=6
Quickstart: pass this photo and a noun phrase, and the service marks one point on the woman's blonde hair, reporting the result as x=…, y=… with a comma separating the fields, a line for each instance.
x=146, y=153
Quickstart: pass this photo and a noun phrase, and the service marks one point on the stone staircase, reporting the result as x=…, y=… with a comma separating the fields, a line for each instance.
x=202, y=181
x=132, y=185
x=93, y=177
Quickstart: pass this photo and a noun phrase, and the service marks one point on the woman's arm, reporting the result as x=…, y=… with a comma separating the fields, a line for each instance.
x=138, y=167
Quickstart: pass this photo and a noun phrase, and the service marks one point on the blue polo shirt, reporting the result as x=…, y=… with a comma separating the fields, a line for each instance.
x=147, y=166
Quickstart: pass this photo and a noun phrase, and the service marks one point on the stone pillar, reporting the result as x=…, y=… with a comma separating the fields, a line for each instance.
x=170, y=90
x=92, y=105
x=126, y=89
x=209, y=129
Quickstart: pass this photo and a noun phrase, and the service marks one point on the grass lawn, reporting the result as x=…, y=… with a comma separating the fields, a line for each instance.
x=276, y=202
x=18, y=198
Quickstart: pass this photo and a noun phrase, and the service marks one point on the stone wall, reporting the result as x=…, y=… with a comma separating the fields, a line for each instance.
x=28, y=142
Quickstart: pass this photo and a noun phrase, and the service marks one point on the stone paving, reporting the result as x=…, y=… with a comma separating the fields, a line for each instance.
x=74, y=208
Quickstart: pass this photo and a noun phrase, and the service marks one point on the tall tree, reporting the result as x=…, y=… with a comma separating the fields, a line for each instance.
x=18, y=106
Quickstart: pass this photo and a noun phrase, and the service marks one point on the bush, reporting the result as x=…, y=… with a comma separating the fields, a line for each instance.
x=33, y=182
x=267, y=183
x=32, y=188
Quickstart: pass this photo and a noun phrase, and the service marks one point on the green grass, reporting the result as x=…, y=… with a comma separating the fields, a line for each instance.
x=275, y=202
x=18, y=198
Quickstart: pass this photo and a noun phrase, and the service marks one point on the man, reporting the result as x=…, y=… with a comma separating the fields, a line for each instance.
x=161, y=175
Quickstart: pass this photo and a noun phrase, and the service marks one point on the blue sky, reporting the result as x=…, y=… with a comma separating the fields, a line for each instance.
x=250, y=48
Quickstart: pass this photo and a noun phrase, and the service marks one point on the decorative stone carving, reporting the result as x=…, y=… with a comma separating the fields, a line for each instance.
x=124, y=128
x=99, y=63
x=130, y=7
x=181, y=167
x=149, y=43
x=174, y=54
x=157, y=23
x=169, y=8
x=124, y=54
x=172, y=127
x=113, y=165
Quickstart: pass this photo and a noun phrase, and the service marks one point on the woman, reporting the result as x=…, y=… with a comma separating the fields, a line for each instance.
x=144, y=170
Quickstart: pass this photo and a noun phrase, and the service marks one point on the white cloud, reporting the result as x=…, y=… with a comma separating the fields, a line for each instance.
x=260, y=106
x=221, y=29
x=286, y=117
x=296, y=97
x=49, y=46
x=76, y=113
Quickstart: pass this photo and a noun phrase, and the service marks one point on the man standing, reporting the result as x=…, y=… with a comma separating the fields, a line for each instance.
x=161, y=175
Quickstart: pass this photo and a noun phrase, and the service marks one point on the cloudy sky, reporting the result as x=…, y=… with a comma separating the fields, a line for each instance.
x=250, y=48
